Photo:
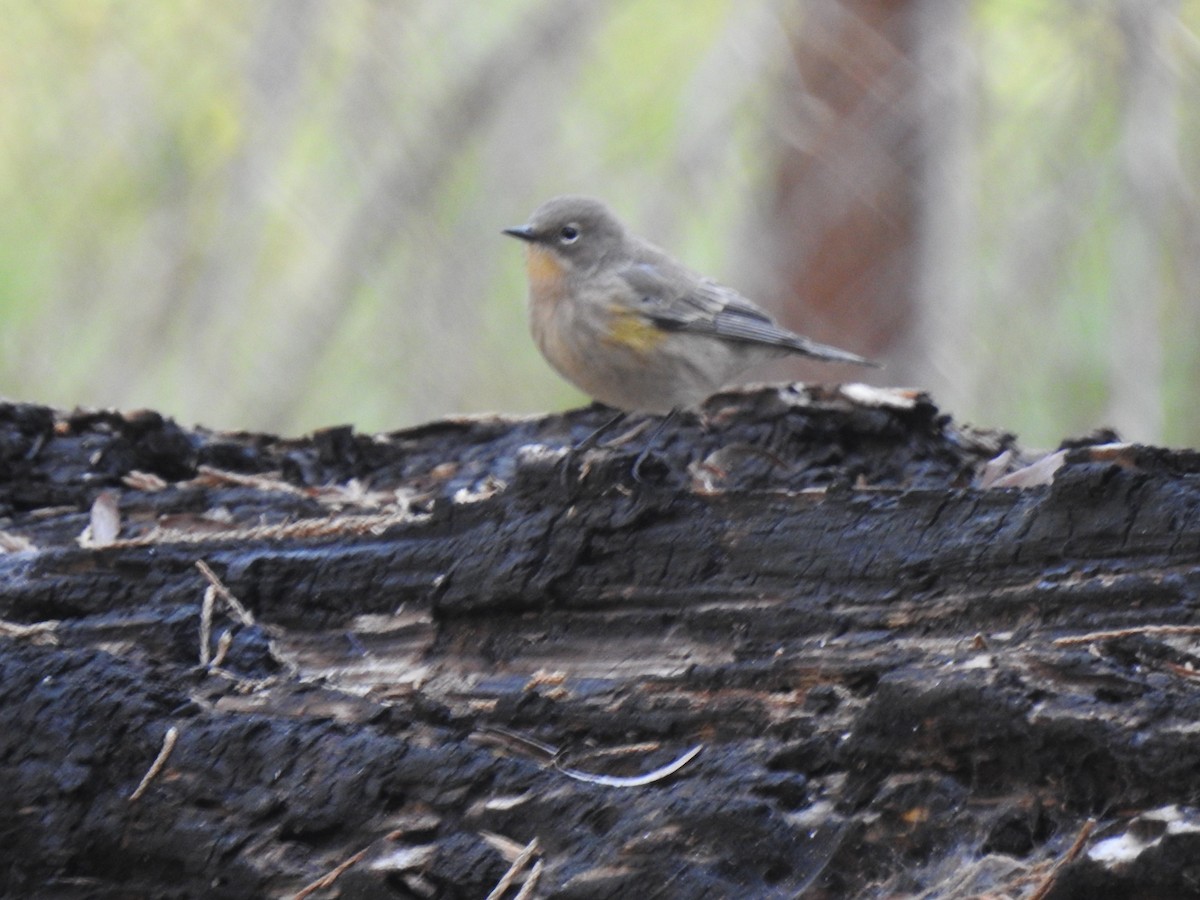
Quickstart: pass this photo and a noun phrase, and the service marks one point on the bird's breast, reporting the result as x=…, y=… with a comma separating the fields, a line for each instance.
x=549, y=316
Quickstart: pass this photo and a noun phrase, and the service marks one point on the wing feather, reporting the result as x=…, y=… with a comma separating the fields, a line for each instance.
x=702, y=306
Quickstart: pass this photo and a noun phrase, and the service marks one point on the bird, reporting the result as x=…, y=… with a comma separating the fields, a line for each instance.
x=634, y=328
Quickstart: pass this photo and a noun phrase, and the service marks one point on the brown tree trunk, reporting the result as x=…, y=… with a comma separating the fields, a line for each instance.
x=844, y=222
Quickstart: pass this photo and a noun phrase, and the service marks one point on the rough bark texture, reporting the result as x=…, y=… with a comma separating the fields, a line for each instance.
x=445, y=630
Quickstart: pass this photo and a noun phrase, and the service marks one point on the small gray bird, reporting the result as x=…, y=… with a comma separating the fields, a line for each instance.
x=632, y=327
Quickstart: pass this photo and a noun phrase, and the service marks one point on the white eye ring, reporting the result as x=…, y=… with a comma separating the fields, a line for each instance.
x=568, y=234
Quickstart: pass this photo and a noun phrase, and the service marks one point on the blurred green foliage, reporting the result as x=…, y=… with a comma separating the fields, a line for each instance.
x=285, y=214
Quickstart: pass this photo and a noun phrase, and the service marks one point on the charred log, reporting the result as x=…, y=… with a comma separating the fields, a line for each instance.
x=915, y=658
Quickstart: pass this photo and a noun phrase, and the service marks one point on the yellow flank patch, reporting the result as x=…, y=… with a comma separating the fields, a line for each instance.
x=634, y=332
x=543, y=269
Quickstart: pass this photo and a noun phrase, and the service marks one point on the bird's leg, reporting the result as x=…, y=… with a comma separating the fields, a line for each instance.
x=589, y=442
x=594, y=438
x=658, y=429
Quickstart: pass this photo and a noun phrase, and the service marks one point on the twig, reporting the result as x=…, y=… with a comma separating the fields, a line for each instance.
x=305, y=529
x=336, y=872
x=168, y=745
x=242, y=684
x=514, y=870
x=206, y=615
x=258, y=482
x=505, y=737
x=330, y=877
x=531, y=882
x=1182, y=671
x=243, y=615
x=505, y=846
x=240, y=611
x=1069, y=857
x=1126, y=632
x=224, y=642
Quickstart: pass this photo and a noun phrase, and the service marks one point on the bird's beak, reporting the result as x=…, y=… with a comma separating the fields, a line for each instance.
x=523, y=232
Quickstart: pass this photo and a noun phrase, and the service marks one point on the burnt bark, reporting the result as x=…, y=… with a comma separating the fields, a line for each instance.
x=902, y=681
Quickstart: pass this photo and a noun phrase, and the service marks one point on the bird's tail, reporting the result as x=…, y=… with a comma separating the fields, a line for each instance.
x=805, y=347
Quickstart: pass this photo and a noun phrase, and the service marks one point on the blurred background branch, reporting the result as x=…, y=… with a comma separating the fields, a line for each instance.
x=285, y=214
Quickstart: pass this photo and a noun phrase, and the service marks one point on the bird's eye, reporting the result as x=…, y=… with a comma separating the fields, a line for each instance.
x=568, y=234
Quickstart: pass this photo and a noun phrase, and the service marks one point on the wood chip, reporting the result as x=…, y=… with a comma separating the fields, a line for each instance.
x=105, y=524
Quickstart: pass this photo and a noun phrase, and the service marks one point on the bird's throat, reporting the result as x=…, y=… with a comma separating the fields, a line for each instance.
x=546, y=274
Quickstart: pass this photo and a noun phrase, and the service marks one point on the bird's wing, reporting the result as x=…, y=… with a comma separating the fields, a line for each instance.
x=692, y=304
x=702, y=306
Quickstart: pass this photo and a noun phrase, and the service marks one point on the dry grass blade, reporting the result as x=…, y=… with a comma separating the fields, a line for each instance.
x=531, y=882
x=305, y=529
x=224, y=642
x=243, y=615
x=168, y=745
x=1158, y=630
x=514, y=870
x=335, y=873
x=206, y=615
x=330, y=877
x=207, y=475
x=505, y=737
x=1069, y=857
x=633, y=780
x=505, y=846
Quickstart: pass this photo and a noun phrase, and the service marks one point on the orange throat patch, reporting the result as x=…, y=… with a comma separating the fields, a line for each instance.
x=546, y=274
